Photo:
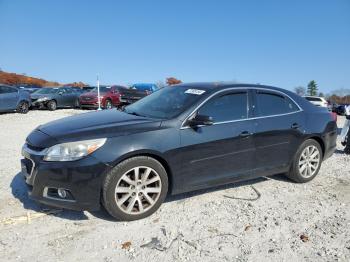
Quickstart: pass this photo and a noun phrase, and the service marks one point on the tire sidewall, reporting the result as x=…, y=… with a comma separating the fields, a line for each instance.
x=114, y=176
x=295, y=168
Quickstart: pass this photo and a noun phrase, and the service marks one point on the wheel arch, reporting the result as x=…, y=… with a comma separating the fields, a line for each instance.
x=153, y=154
x=321, y=143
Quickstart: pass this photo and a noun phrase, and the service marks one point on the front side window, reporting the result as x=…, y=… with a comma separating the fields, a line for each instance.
x=274, y=104
x=68, y=90
x=227, y=107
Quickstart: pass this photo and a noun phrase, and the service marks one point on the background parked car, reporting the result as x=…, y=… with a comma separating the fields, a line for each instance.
x=111, y=96
x=14, y=99
x=55, y=97
x=146, y=87
x=317, y=101
x=29, y=88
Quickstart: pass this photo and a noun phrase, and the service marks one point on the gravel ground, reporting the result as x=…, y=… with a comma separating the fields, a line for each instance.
x=288, y=222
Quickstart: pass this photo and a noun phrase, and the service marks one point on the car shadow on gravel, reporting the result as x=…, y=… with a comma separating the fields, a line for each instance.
x=20, y=191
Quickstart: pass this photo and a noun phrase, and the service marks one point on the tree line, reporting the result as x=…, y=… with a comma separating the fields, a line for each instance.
x=333, y=97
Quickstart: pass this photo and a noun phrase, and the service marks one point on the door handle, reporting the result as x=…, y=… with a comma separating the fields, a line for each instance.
x=295, y=126
x=245, y=134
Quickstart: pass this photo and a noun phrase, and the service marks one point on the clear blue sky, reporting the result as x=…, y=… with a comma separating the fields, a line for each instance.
x=282, y=43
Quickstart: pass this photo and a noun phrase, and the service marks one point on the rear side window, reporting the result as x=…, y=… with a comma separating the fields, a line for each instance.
x=274, y=104
x=8, y=89
x=227, y=107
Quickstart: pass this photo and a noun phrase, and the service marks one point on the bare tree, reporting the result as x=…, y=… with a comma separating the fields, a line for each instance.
x=300, y=90
x=160, y=84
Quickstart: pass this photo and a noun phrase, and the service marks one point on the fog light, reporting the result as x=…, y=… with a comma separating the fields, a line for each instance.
x=62, y=193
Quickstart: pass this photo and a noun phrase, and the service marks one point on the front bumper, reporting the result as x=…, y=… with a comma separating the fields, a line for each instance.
x=82, y=179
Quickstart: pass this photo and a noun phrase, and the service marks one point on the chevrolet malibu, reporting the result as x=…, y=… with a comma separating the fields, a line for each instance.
x=178, y=139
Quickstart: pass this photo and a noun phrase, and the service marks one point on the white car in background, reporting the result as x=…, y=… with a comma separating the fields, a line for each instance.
x=317, y=101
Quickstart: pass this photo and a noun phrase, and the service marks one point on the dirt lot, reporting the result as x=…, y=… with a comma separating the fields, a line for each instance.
x=288, y=222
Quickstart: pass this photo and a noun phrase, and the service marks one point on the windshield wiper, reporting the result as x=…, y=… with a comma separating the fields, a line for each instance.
x=133, y=113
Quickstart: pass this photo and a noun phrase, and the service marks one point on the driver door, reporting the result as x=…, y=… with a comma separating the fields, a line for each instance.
x=223, y=152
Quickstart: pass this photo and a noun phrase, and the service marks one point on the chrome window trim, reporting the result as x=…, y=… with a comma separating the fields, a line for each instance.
x=249, y=118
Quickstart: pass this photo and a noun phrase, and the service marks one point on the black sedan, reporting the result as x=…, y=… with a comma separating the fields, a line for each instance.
x=178, y=139
x=55, y=97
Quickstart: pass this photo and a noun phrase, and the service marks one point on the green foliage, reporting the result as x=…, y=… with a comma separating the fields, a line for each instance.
x=312, y=88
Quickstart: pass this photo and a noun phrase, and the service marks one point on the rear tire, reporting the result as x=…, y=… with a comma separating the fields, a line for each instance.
x=128, y=191
x=307, y=162
x=51, y=105
x=23, y=107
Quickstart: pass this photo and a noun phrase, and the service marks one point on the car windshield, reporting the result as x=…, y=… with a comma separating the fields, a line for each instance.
x=166, y=103
x=47, y=90
x=103, y=89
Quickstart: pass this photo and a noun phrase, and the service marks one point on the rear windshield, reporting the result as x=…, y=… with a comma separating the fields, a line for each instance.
x=315, y=99
x=103, y=89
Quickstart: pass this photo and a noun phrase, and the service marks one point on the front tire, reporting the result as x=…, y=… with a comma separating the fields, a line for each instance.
x=135, y=188
x=109, y=104
x=52, y=105
x=307, y=162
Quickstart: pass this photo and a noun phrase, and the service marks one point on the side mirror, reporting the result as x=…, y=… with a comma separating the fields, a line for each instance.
x=200, y=120
x=60, y=93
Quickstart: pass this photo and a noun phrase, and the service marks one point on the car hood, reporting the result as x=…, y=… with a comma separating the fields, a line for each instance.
x=99, y=124
x=92, y=94
x=36, y=96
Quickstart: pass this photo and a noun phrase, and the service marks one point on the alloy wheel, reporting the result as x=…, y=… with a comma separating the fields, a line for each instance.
x=309, y=161
x=138, y=190
x=23, y=107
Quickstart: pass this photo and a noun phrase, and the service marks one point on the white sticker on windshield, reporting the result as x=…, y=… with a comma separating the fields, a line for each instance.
x=195, y=91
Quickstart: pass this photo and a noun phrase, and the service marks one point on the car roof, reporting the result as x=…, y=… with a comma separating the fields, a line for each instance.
x=223, y=85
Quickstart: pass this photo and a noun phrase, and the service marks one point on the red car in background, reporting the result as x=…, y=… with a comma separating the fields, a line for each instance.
x=110, y=96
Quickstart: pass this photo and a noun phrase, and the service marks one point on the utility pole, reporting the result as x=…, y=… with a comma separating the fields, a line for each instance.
x=98, y=94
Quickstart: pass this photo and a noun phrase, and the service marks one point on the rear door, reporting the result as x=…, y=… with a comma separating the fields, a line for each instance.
x=223, y=152
x=69, y=97
x=278, y=122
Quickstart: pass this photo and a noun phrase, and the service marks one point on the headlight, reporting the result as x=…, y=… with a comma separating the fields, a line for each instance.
x=73, y=150
x=42, y=99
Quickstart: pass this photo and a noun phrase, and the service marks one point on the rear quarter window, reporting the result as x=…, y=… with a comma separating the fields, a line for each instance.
x=269, y=103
